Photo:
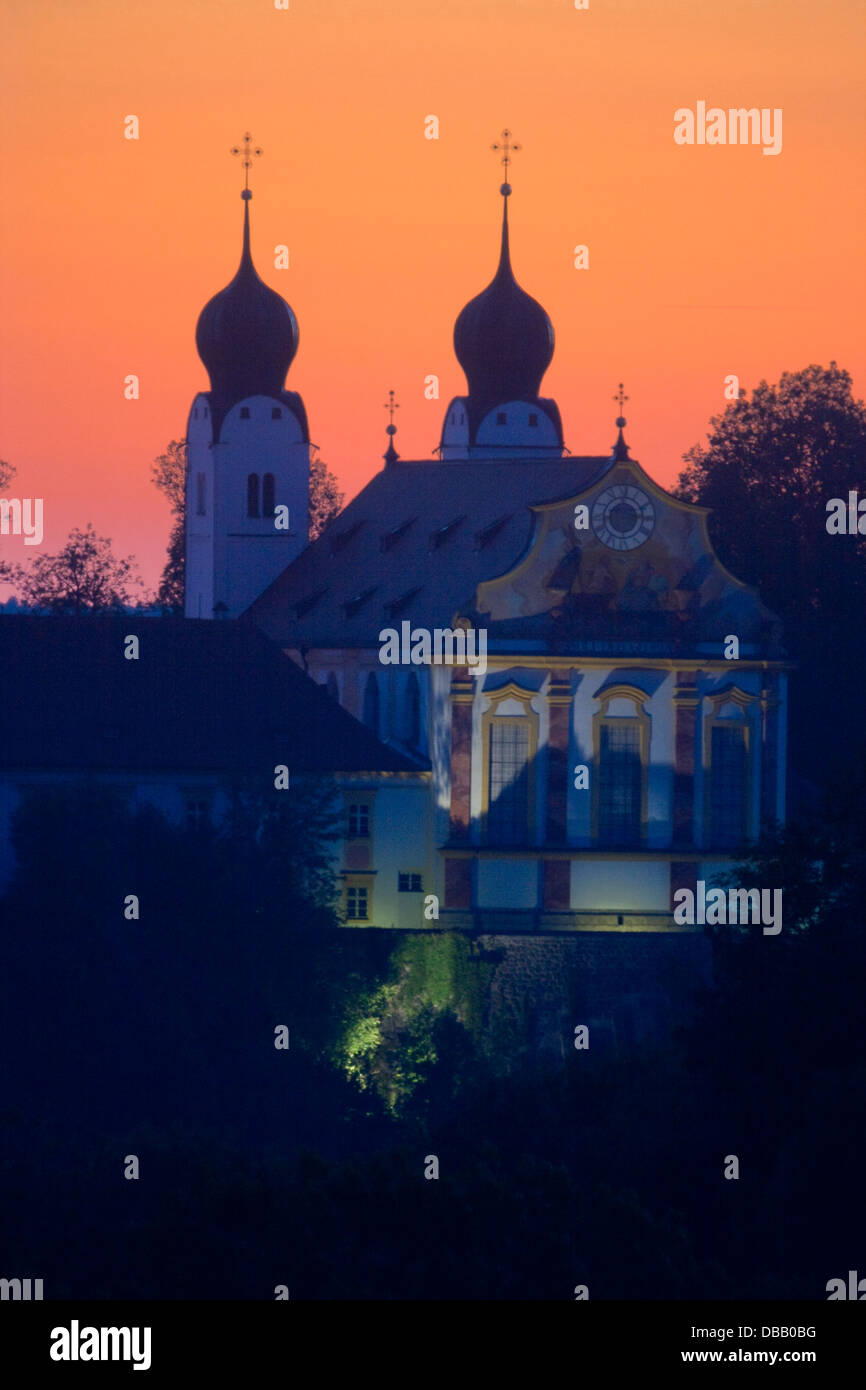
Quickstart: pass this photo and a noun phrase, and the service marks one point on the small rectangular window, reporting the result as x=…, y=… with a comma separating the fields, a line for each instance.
x=408, y=883
x=245, y=412
x=533, y=421
x=501, y=418
x=276, y=413
x=359, y=821
x=200, y=493
x=356, y=904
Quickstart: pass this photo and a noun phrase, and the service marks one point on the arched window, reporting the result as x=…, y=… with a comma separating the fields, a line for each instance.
x=371, y=703
x=331, y=686
x=728, y=769
x=268, y=495
x=509, y=731
x=413, y=711
x=621, y=732
x=620, y=778
x=253, y=494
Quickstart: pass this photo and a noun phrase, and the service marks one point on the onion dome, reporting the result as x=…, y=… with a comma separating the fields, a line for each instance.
x=247, y=335
x=503, y=338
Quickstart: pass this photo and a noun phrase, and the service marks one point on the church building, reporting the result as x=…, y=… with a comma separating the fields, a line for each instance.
x=625, y=730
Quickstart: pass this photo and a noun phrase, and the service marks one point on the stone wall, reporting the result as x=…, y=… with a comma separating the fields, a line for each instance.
x=628, y=988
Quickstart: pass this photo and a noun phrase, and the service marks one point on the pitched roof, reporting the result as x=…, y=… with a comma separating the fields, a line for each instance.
x=415, y=543
x=203, y=696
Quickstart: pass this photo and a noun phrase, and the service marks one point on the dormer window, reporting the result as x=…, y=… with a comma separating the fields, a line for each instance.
x=439, y=537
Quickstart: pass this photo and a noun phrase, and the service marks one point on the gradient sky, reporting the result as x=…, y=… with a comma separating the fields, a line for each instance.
x=703, y=261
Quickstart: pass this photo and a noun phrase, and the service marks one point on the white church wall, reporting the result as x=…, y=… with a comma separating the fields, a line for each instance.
x=199, y=574
x=516, y=423
x=259, y=435
x=401, y=844
x=611, y=885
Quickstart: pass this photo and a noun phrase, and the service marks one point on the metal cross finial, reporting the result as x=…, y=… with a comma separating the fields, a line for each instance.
x=248, y=150
x=507, y=149
x=621, y=398
x=391, y=405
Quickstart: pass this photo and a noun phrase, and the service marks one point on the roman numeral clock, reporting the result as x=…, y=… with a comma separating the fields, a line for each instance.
x=622, y=517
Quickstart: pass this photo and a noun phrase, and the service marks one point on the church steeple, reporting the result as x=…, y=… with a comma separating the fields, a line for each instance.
x=504, y=341
x=503, y=338
x=247, y=335
x=248, y=443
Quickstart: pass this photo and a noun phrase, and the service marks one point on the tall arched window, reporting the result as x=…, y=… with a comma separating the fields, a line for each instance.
x=268, y=495
x=621, y=734
x=413, y=711
x=728, y=769
x=253, y=494
x=371, y=703
x=509, y=731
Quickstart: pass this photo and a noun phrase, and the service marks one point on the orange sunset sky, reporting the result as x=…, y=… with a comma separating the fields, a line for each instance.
x=703, y=261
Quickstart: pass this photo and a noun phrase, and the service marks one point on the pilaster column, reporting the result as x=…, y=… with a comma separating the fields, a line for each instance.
x=462, y=692
x=559, y=708
x=686, y=701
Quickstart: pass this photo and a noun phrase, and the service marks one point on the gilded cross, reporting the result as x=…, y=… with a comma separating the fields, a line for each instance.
x=391, y=405
x=507, y=149
x=248, y=150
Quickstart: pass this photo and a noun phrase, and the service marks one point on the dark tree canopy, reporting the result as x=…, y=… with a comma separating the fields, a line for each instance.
x=168, y=473
x=326, y=499
x=771, y=464
x=85, y=576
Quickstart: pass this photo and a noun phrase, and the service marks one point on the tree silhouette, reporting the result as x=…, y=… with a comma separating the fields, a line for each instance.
x=326, y=499
x=85, y=576
x=168, y=473
x=771, y=464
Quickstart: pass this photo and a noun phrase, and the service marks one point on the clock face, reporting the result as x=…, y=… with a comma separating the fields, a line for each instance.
x=622, y=517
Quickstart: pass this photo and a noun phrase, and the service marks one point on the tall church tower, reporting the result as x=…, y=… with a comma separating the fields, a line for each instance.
x=248, y=446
